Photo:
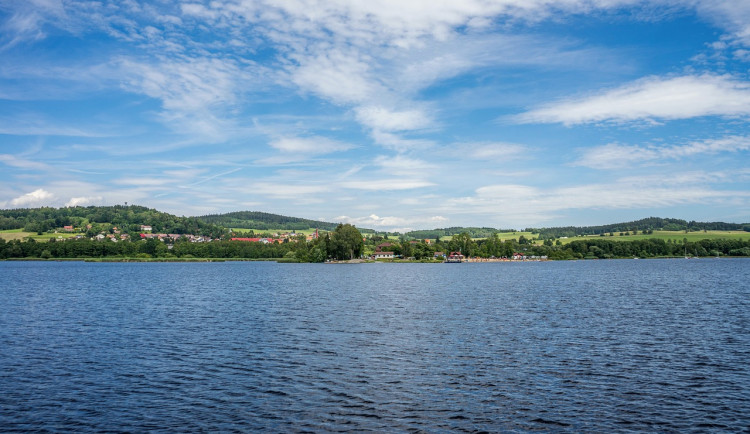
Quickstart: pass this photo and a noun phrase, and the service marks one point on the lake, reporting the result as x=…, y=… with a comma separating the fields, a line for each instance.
x=617, y=345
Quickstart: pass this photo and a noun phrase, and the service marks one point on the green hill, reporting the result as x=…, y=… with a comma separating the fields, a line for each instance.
x=647, y=224
x=93, y=219
x=264, y=221
x=449, y=232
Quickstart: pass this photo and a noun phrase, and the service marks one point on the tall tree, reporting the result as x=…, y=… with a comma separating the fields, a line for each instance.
x=346, y=242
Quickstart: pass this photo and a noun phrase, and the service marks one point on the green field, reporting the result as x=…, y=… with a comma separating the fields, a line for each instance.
x=667, y=235
x=502, y=235
x=664, y=235
x=19, y=234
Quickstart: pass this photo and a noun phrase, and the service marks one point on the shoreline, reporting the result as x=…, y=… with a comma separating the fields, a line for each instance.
x=350, y=261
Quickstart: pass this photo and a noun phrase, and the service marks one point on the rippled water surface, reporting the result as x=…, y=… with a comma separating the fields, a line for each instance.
x=654, y=345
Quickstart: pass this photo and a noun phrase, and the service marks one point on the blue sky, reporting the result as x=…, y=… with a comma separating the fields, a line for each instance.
x=392, y=115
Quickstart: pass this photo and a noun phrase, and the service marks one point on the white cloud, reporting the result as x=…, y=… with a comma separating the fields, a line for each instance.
x=27, y=21
x=84, y=200
x=387, y=184
x=22, y=163
x=392, y=223
x=144, y=181
x=299, y=192
x=402, y=165
x=383, y=119
x=613, y=155
x=732, y=15
x=336, y=75
x=394, y=141
x=514, y=204
x=493, y=151
x=35, y=198
x=309, y=145
x=184, y=84
x=196, y=94
x=651, y=99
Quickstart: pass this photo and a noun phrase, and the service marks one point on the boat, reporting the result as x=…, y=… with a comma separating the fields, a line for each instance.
x=455, y=257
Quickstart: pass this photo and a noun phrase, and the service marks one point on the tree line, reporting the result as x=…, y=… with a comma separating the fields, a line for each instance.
x=346, y=243
x=264, y=221
x=128, y=219
x=647, y=224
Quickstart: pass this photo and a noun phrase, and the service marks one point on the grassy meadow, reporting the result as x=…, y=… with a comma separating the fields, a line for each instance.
x=19, y=234
x=666, y=235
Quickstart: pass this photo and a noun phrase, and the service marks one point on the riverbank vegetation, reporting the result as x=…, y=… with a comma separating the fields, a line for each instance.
x=127, y=233
x=346, y=243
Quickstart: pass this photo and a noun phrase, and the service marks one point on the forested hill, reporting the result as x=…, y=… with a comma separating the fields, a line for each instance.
x=445, y=232
x=97, y=218
x=130, y=218
x=651, y=223
x=264, y=221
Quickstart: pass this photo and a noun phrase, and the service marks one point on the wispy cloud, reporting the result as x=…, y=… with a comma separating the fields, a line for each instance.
x=651, y=99
x=309, y=145
x=518, y=204
x=27, y=21
x=381, y=118
x=205, y=179
x=733, y=16
x=403, y=165
x=613, y=155
x=302, y=150
x=299, y=192
x=491, y=151
x=387, y=184
x=371, y=108
x=22, y=163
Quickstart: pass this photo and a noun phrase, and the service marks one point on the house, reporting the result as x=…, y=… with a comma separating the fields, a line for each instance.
x=146, y=228
x=439, y=255
x=250, y=240
x=68, y=228
x=455, y=257
x=313, y=236
x=382, y=255
x=382, y=246
x=159, y=236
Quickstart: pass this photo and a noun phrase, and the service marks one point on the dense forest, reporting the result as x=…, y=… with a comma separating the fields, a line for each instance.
x=264, y=221
x=447, y=232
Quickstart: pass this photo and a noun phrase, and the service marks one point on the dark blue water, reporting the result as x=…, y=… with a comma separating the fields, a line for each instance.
x=647, y=345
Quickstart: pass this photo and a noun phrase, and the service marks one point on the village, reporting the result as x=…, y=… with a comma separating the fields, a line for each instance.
x=452, y=257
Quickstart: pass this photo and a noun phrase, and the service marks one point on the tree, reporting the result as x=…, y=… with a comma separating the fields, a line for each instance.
x=462, y=243
x=346, y=242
